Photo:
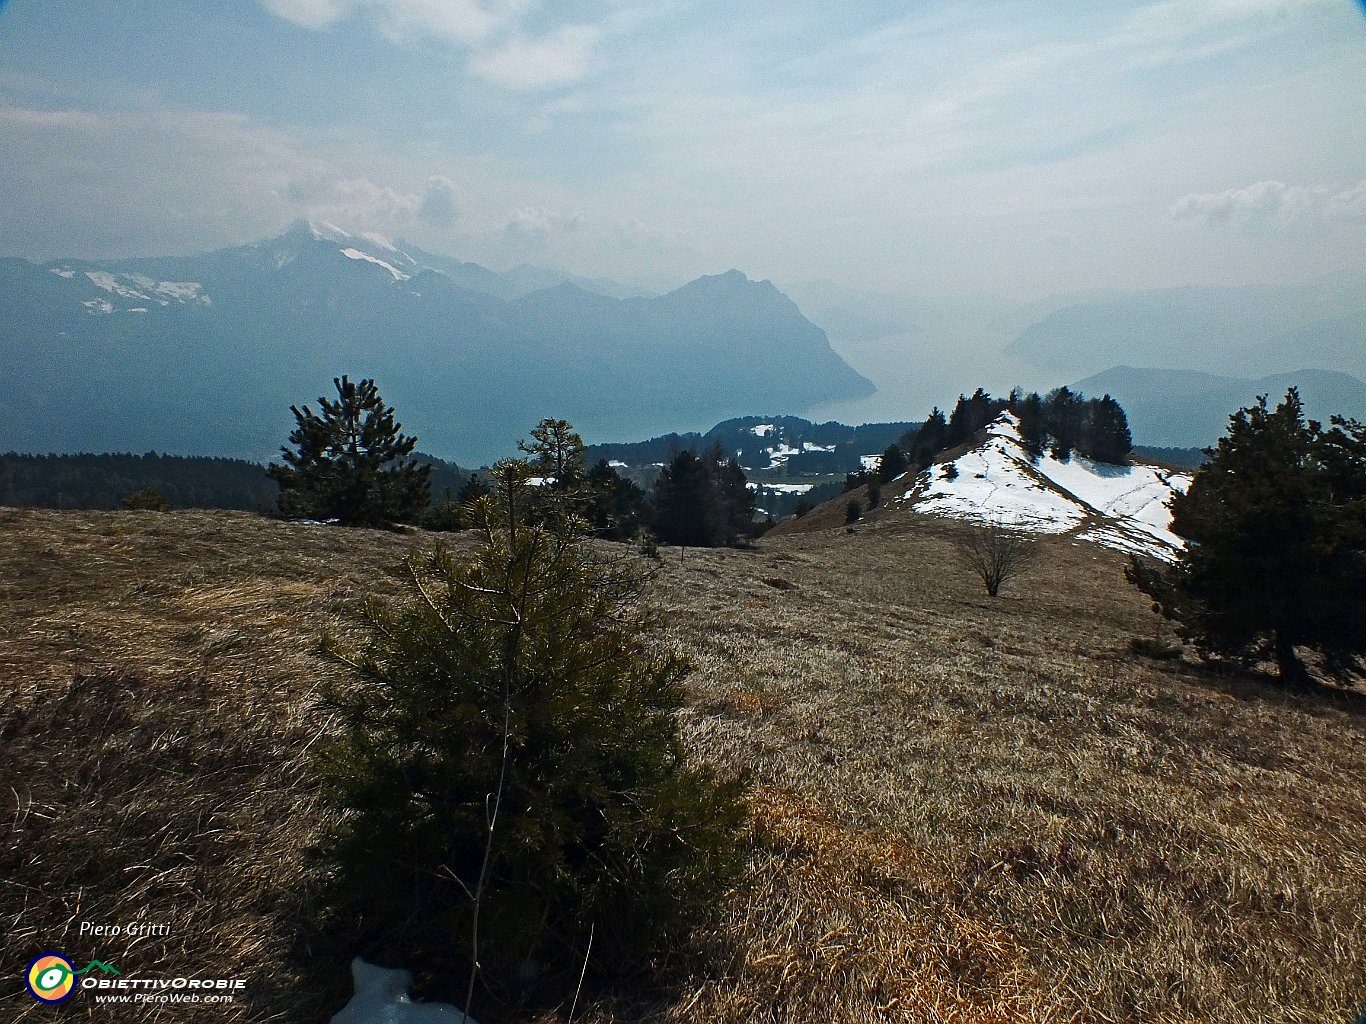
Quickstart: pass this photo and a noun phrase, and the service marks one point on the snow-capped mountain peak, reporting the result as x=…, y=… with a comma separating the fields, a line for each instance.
x=365, y=246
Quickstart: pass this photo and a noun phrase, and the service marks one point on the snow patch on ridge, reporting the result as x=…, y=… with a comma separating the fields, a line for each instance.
x=1001, y=482
x=356, y=254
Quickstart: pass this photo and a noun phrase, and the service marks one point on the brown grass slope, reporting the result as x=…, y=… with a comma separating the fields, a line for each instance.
x=968, y=809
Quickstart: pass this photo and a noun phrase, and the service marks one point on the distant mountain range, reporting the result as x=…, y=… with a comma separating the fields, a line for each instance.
x=205, y=354
x=1187, y=408
x=1259, y=330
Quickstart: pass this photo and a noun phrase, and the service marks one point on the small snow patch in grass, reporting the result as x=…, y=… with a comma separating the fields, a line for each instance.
x=382, y=998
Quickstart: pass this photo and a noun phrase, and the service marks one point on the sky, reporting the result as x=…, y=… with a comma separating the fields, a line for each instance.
x=1016, y=147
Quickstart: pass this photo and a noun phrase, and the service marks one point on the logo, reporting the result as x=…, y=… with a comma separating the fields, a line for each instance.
x=51, y=978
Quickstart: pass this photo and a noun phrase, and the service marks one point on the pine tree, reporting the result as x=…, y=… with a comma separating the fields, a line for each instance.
x=892, y=464
x=858, y=478
x=473, y=489
x=351, y=463
x=510, y=779
x=874, y=491
x=971, y=415
x=557, y=453
x=1276, y=521
x=702, y=501
x=685, y=510
x=735, y=501
x=1107, y=437
x=1033, y=430
x=930, y=439
x=1342, y=629
x=1063, y=421
x=615, y=504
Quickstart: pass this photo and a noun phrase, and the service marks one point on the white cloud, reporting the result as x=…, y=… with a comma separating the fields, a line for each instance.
x=359, y=203
x=314, y=14
x=534, y=224
x=1274, y=203
x=461, y=21
x=500, y=52
x=560, y=58
x=167, y=180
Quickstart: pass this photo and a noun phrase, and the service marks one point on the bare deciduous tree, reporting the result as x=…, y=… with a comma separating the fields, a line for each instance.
x=996, y=553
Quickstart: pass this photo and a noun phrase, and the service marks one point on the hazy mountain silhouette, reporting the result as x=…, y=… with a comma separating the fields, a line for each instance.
x=205, y=354
x=1259, y=330
x=1184, y=408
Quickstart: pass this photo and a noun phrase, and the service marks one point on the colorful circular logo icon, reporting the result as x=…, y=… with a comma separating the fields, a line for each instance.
x=51, y=978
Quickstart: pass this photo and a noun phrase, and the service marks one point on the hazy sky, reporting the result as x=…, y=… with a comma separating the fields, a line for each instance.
x=1020, y=147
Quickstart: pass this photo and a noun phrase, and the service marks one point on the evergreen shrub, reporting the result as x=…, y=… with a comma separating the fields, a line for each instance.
x=509, y=785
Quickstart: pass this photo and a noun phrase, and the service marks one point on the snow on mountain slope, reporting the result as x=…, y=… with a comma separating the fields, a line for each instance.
x=1000, y=481
x=133, y=288
x=355, y=254
x=361, y=246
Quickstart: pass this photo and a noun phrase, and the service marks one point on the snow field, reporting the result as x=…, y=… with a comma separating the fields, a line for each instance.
x=1003, y=483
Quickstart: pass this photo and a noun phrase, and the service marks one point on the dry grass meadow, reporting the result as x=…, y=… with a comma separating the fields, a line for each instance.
x=966, y=809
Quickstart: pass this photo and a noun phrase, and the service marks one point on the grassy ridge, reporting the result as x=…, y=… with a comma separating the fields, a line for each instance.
x=968, y=810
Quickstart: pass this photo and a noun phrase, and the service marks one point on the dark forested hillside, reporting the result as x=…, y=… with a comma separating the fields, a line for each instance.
x=785, y=445
x=104, y=481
